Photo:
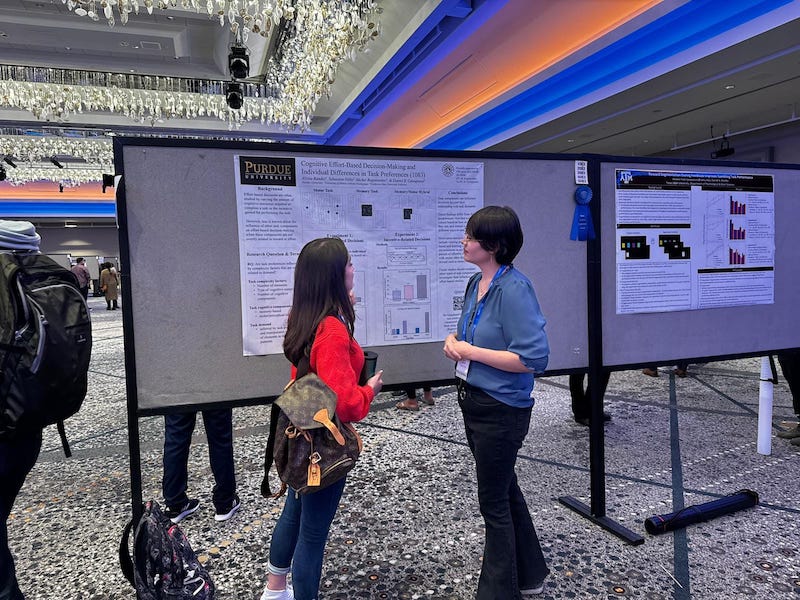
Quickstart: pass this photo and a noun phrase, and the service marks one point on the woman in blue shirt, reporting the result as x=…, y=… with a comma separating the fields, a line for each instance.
x=499, y=345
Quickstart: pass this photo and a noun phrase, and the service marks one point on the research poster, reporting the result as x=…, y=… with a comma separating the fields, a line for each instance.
x=401, y=220
x=688, y=241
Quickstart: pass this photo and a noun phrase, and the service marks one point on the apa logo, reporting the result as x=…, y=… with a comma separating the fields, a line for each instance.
x=625, y=177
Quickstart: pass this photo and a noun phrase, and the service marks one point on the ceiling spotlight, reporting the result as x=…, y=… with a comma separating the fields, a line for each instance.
x=108, y=181
x=722, y=153
x=234, y=95
x=55, y=162
x=239, y=62
x=724, y=149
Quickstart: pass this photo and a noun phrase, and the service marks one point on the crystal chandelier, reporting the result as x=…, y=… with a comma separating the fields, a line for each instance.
x=257, y=16
x=317, y=36
x=67, y=177
x=36, y=149
x=57, y=94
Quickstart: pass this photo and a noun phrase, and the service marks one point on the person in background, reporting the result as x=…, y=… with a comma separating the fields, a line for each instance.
x=178, y=429
x=497, y=355
x=18, y=455
x=320, y=326
x=582, y=399
x=81, y=272
x=790, y=366
x=109, y=283
x=681, y=369
x=411, y=403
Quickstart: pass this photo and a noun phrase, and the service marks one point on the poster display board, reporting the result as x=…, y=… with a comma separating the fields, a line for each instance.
x=697, y=260
x=688, y=240
x=191, y=232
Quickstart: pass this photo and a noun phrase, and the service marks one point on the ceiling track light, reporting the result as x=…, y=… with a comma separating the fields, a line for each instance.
x=234, y=96
x=108, y=181
x=724, y=149
x=239, y=62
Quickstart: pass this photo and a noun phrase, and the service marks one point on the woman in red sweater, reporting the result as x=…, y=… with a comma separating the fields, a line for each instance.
x=321, y=324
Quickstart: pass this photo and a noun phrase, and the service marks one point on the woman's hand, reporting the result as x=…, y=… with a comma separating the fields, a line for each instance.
x=376, y=382
x=455, y=349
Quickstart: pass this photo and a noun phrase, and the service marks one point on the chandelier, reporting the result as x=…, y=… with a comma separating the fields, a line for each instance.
x=60, y=93
x=36, y=149
x=257, y=16
x=316, y=37
x=67, y=177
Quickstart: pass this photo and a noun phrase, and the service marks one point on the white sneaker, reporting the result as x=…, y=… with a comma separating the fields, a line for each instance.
x=532, y=592
x=285, y=594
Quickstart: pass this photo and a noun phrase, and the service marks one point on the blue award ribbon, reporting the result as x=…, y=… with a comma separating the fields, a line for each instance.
x=582, y=226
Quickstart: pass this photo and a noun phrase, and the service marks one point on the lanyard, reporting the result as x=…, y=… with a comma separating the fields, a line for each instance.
x=477, y=315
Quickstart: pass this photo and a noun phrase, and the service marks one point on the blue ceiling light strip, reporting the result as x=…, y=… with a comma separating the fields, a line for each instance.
x=687, y=26
x=66, y=210
x=444, y=29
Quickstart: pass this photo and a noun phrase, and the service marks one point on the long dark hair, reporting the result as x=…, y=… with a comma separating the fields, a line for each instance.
x=319, y=291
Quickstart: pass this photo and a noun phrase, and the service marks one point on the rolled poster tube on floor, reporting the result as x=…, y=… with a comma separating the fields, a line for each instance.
x=701, y=512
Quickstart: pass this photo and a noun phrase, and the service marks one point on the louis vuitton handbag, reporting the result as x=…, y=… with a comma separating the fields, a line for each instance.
x=310, y=446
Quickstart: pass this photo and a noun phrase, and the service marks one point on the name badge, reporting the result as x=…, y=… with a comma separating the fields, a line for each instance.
x=462, y=368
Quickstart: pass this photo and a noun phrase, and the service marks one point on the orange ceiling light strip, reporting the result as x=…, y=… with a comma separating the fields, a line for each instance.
x=48, y=190
x=522, y=39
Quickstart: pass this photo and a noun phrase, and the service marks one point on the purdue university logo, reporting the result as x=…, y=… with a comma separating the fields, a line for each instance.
x=265, y=170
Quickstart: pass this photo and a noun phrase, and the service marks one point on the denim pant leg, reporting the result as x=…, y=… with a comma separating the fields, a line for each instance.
x=495, y=432
x=17, y=458
x=178, y=429
x=790, y=365
x=219, y=432
x=531, y=565
x=300, y=535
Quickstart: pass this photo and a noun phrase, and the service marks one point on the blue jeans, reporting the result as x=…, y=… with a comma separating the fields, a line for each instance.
x=178, y=429
x=298, y=540
x=17, y=458
x=512, y=556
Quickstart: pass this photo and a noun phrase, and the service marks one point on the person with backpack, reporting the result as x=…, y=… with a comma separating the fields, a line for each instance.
x=17, y=455
x=45, y=347
x=320, y=328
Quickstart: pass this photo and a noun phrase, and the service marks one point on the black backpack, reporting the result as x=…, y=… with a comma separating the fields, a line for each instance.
x=163, y=566
x=45, y=344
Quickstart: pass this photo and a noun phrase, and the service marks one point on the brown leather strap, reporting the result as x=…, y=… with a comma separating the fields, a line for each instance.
x=321, y=416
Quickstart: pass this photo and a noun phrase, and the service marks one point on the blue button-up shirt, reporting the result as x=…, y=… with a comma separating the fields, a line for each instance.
x=509, y=320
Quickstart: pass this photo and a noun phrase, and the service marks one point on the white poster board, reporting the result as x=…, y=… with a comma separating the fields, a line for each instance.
x=690, y=240
x=398, y=218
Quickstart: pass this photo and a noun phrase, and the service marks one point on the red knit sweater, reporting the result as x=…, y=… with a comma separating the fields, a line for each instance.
x=338, y=359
